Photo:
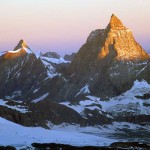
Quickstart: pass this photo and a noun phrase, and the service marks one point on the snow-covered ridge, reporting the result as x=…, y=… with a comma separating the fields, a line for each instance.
x=28, y=51
x=23, y=48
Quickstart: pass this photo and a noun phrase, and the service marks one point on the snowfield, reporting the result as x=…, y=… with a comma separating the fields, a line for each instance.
x=20, y=136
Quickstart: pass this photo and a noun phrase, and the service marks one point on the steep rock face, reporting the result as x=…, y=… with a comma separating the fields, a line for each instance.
x=129, y=60
x=109, y=62
x=120, y=40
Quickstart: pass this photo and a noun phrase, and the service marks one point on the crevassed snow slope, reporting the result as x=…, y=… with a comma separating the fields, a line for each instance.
x=18, y=136
x=127, y=102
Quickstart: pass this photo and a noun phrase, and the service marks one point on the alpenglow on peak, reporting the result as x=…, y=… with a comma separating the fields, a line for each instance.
x=120, y=44
x=21, y=44
x=115, y=23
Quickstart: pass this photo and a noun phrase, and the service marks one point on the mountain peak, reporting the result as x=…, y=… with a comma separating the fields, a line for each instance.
x=21, y=44
x=115, y=23
x=120, y=43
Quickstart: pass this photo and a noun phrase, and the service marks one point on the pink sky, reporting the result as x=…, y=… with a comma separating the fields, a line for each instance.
x=63, y=25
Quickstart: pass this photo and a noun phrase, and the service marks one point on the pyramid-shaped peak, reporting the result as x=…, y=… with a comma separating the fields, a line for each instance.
x=115, y=23
x=21, y=44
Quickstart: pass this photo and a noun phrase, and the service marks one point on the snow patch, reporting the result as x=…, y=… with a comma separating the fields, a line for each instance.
x=29, y=51
x=77, y=108
x=84, y=90
x=142, y=70
x=14, y=95
x=40, y=98
x=36, y=90
x=91, y=104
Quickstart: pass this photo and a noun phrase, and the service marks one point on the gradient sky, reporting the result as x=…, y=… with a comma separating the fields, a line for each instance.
x=63, y=25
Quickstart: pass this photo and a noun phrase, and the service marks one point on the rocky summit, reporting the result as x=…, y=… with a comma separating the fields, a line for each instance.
x=120, y=41
x=107, y=81
x=22, y=44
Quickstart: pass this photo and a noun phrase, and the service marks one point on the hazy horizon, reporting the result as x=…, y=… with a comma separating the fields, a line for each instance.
x=63, y=26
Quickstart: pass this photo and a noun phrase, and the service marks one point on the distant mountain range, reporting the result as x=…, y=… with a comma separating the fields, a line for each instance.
x=107, y=81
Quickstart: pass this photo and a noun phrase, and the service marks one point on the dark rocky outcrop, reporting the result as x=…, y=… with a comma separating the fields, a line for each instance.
x=55, y=146
x=136, y=119
x=127, y=145
x=7, y=148
x=144, y=97
x=113, y=146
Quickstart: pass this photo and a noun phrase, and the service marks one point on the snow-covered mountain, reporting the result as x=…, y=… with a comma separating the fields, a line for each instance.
x=106, y=82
